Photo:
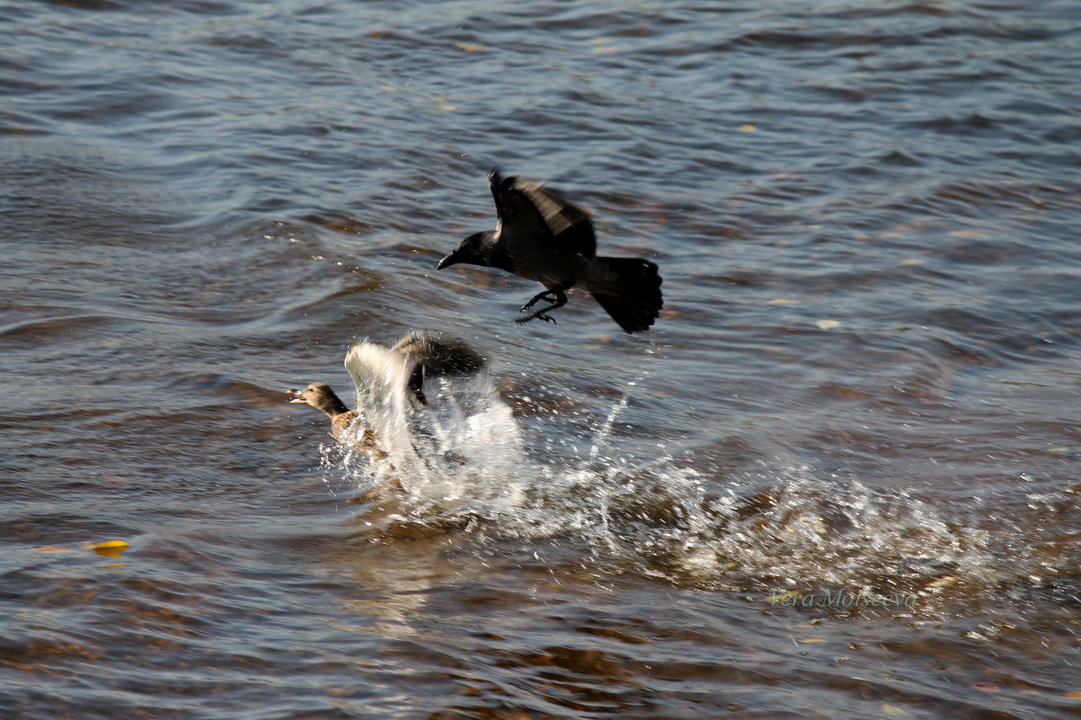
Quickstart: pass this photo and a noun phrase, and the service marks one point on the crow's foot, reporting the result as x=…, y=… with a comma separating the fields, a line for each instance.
x=539, y=314
x=556, y=297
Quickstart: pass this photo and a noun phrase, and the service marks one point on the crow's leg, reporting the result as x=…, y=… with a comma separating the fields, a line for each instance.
x=547, y=296
x=558, y=299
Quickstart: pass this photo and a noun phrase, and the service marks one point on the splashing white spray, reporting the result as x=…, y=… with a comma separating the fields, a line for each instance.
x=461, y=449
x=461, y=458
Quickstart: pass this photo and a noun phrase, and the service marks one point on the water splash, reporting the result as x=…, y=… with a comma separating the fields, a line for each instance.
x=444, y=456
x=779, y=525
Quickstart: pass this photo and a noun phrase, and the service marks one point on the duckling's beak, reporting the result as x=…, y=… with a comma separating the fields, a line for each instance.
x=296, y=398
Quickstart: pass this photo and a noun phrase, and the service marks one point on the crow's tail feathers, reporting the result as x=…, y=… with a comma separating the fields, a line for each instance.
x=639, y=300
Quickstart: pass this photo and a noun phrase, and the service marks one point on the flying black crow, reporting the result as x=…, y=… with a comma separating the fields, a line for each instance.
x=541, y=236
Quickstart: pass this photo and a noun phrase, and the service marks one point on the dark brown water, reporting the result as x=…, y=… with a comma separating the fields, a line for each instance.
x=839, y=479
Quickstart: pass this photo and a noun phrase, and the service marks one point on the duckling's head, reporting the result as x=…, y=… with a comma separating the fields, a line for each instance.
x=320, y=396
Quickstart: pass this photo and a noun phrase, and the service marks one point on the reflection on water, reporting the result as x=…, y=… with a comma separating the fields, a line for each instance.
x=838, y=478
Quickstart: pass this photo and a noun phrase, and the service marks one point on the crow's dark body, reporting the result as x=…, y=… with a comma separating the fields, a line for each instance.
x=541, y=236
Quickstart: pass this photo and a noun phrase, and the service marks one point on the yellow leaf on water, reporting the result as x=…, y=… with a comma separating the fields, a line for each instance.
x=469, y=47
x=110, y=544
x=110, y=548
x=746, y=127
x=808, y=641
x=828, y=324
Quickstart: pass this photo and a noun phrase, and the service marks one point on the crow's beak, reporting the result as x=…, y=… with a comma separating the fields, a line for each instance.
x=452, y=259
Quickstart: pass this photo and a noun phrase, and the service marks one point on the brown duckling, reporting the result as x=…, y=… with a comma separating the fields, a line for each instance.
x=321, y=397
x=389, y=379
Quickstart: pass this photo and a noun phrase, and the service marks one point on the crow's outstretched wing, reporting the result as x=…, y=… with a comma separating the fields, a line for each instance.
x=530, y=212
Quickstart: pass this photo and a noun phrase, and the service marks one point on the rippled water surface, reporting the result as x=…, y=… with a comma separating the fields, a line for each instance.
x=838, y=479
